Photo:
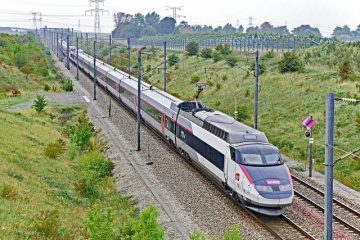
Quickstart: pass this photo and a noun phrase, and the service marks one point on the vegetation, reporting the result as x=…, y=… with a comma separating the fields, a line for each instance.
x=206, y=53
x=173, y=59
x=40, y=103
x=69, y=192
x=290, y=63
x=25, y=66
x=192, y=48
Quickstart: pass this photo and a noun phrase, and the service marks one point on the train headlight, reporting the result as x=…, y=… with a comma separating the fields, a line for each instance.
x=262, y=188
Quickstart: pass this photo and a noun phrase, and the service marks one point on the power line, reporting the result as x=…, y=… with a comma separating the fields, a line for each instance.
x=174, y=10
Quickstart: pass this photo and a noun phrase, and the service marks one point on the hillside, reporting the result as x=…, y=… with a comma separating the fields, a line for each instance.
x=284, y=98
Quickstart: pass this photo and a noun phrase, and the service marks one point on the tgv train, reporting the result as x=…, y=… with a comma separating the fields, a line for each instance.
x=238, y=157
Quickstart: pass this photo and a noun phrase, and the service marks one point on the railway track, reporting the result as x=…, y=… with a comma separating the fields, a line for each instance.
x=345, y=216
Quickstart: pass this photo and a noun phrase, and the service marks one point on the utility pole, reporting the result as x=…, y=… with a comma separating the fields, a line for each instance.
x=139, y=100
x=97, y=10
x=35, y=19
x=57, y=44
x=164, y=66
x=95, y=68
x=68, y=51
x=110, y=50
x=129, y=55
x=256, y=95
x=329, y=164
x=77, y=57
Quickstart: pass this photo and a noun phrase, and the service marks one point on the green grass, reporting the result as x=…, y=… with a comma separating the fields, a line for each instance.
x=284, y=99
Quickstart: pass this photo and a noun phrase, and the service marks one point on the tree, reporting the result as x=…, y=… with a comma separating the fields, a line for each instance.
x=166, y=25
x=139, y=20
x=241, y=29
x=281, y=30
x=218, y=29
x=338, y=31
x=148, y=31
x=266, y=27
x=306, y=30
x=290, y=63
x=252, y=29
x=184, y=24
x=192, y=48
x=152, y=19
x=228, y=28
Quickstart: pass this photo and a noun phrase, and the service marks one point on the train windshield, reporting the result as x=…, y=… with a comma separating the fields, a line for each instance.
x=264, y=155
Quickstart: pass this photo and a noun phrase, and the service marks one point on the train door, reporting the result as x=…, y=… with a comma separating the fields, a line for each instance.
x=232, y=176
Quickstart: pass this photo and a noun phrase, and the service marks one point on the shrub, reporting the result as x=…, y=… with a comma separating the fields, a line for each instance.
x=357, y=120
x=99, y=223
x=47, y=224
x=218, y=86
x=290, y=63
x=147, y=227
x=224, y=78
x=241, y=113
x=262, y=68
x=195, y=78
x=68, y=86
x=268, y=55
x=47, y=88
x=197, y=236
x=231, y=60
x=224, y=49
x=15, y=92
x=192, y=48
x=148, y=68
x=8, y=192
x=232, y=233
x=40, y=103
x=345, y=71
x=82, y=132
x=53, y=150
x=173, y=59
x=216, y=56
x=206, y=53
x=93, y=166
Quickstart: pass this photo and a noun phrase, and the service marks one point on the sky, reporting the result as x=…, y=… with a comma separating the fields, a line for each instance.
x=324, y=14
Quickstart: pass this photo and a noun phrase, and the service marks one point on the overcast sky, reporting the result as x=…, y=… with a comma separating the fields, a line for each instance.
x=324, y=14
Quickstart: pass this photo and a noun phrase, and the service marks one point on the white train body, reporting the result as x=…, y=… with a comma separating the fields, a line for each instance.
x=233, y=154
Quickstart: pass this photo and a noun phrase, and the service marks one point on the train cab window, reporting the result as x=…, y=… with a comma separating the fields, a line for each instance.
x=232, y=153
x=259, y=155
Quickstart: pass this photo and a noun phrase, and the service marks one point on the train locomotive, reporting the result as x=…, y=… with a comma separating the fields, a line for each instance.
x=238, y=157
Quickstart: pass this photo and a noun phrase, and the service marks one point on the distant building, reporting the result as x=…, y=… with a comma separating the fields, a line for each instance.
x=186, y=30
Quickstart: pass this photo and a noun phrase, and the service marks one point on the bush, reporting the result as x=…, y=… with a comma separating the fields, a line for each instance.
x=82, y=132
x=206, y=53
x=99, y=223
x=231, y=60
x=262, y=68
x=357, y=120
x=47, y=224
x=173, y=59
x=40, y=103
x=53, y=150
x=232, y=233
x=224, y=78
x=218, y=86
x=47, y=88
x=290, y=63
x=241, y=113
x=195, y=78
x=216, y=56
x=224, y=49
x=146, y=228
x=8, y=192
x=192, y=48
x=345, y=71
x=268, y=55
x=68, y=86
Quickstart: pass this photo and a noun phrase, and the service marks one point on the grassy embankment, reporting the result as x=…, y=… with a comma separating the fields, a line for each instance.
x=25, y=67
x=285, y=98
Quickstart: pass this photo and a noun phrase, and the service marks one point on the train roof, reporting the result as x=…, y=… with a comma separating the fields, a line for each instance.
x=220, y=124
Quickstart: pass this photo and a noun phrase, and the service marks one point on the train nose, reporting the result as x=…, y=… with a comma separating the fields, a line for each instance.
x=274, y=188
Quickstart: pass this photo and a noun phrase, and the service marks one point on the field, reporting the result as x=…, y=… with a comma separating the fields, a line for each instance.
x=284, y=98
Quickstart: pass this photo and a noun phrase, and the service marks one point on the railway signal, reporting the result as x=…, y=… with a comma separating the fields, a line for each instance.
x=308, y=123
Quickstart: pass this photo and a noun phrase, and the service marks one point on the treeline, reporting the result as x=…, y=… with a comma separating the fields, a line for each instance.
x=344, y=33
